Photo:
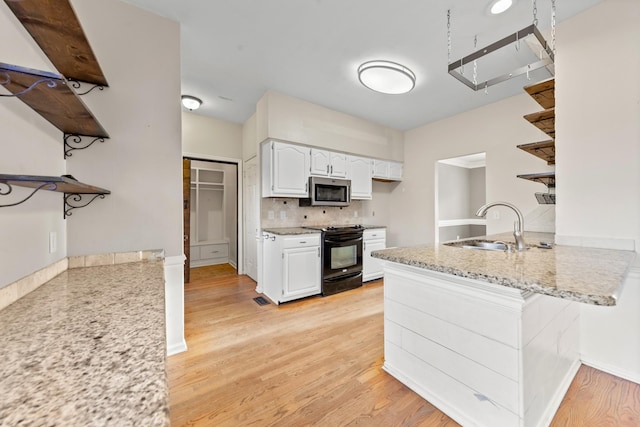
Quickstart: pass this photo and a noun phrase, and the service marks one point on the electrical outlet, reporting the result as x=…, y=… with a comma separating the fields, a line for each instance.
x=496, y=214
x=283, y=215
x=53, y=242
x=271, y=215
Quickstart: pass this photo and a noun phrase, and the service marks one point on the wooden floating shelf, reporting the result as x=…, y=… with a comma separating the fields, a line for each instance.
x=60, y=184
x=546, y=150
x=546, y=178
x=544, y=120
x=59, y=104
x=76, y=194
x=543, y=92
x=55, y=27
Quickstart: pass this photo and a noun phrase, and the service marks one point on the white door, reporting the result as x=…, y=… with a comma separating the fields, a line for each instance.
x=251, y=209
x=302, y=272
x=338, y=165
x=361, y=184
x=319, y=162
x=290, y=170
x=372, y=267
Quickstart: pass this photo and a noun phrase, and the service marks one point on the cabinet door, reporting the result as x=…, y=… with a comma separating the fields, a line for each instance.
x=380, y=169
x=320, y=162
x=360, y=175
x=301, y=268
x=290, y=170
x=372, y=267
x=395, y=171
x=338, y=165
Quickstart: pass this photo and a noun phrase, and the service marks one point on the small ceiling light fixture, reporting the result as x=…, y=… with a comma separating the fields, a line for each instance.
x=191, y=102
x=386, y=77
x=499, y=6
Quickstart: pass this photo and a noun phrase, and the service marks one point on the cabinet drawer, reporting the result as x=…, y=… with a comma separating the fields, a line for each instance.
x=220, y=250
x=301, y=241
x=375, y=234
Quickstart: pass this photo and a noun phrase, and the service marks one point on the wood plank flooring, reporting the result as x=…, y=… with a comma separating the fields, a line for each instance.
x=318, y=362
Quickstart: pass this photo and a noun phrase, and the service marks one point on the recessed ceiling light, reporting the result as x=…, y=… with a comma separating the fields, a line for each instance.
x=499, y=6
x=386, y=77
x=191, y=102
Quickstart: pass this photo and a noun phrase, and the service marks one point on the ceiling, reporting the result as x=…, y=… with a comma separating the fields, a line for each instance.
x=233, y=51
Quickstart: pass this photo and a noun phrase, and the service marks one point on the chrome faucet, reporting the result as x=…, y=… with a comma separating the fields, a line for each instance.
x=518, y=226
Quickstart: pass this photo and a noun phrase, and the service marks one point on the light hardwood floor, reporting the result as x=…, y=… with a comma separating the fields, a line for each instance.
x=318, y=362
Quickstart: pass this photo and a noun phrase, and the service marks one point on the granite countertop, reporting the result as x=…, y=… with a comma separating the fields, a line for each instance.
x=587, y=275
x=301, y=230
x=87, y=348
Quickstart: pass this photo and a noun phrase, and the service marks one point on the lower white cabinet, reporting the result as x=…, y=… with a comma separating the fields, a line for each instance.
x=292, y=266
x=209, y=254
x=373, y=240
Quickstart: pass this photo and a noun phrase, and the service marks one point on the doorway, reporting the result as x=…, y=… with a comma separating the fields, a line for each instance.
x=211, y=206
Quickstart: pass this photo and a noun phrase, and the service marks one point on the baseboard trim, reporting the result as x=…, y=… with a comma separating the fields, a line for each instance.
x=177, y=348
x=612, y=370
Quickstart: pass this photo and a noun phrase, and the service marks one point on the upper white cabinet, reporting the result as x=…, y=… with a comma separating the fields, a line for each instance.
x=327, y=163
x=360, y=176
x=387, y=170
x=285, y=170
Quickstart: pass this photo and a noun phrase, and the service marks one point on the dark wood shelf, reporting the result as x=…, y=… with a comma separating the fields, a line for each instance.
x=544, y=120
x=61, y=184
x=546, y=150
x=54, y=26
x=543, y=92
x=546, y=178
x=59, y=105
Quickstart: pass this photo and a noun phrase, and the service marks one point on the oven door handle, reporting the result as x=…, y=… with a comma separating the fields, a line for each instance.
x=337, y=239
x=346, y=276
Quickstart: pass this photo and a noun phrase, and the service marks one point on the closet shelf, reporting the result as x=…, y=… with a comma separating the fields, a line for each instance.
x=49, y=95
x=546, y=178
x=544, y=120
x=55, y=27
x=543, y=92
x=546, y=150
x=74, y=190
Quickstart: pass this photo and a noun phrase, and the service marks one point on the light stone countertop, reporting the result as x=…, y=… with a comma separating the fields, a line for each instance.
x=87, y=348
x=301, y=230
x=587, y=275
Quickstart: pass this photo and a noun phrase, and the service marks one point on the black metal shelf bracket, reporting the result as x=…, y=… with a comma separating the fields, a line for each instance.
x=6, y=189
x=77, y=84
x=76, y=142
x=75, y=201
x=5, y=79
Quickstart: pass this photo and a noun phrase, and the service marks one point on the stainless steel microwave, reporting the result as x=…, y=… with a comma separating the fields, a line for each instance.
x=328, y=192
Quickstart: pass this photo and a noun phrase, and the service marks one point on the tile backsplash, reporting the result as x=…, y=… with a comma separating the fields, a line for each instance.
x=284, y=212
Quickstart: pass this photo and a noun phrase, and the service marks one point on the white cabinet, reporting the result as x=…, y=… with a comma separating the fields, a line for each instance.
x=360, y=176
x=328, y=163
x=292, y=266
x=387, y=170
x=285, y=170
x=373, y=240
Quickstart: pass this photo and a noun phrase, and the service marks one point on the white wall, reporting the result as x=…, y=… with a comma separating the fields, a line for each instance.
x=211, y=136
x=249, y=138
x=291, y=119
x=598, y=163
x=495, y=129
x=598, y=124
x=30, y=146
x=141, y=162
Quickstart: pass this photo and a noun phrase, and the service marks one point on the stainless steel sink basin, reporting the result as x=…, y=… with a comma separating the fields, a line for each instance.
x=483, y=245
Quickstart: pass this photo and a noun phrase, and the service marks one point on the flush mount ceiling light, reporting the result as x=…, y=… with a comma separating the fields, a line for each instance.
x=499, y=6
x=191, y=102
x=386, y=77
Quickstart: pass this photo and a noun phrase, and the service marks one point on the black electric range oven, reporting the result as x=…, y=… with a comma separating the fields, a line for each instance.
x=341, y=258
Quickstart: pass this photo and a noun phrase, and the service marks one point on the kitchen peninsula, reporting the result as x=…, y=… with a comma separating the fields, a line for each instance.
x=491, y=337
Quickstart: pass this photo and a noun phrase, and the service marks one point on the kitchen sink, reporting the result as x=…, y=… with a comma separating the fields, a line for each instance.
x=483, y=245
